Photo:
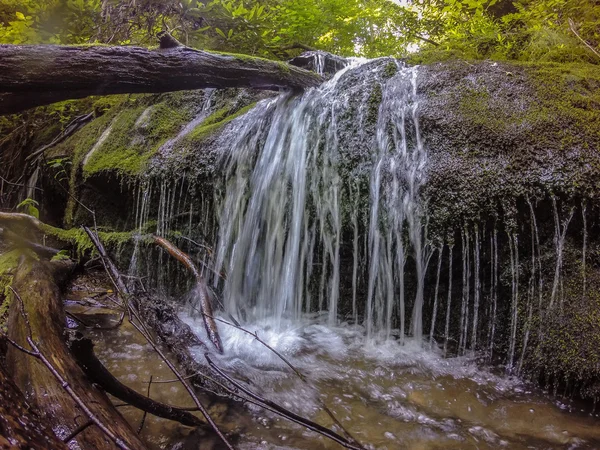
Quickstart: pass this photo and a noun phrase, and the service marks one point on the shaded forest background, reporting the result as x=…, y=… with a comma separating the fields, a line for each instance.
x=547, y=30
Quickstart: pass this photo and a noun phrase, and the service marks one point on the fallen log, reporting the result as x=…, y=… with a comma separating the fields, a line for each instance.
x=20, y=424
x=201, y=290
x=35, y=75
x=17, y=240
x=48, y=374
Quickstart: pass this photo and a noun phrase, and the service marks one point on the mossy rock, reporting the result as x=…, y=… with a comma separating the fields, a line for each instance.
x=497, y=131
x=569, y=351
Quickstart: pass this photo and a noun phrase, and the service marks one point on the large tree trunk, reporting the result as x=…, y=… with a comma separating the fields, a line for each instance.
x=42, y=74
x=35, y=284
x=20, y=424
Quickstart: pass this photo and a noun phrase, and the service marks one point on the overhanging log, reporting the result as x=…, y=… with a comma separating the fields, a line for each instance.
x=35, y=75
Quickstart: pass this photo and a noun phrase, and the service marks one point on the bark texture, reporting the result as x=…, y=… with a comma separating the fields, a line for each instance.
x=20, y=424
x=37, y=75
x=35, y=283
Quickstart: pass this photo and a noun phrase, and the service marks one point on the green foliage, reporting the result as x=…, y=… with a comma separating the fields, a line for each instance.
x=29, y=207
x=60, y=166
x=537, y=30
x=61, y=256
x=526, y=30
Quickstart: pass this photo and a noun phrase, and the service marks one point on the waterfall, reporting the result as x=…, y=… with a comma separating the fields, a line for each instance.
x=449, y=300
x=286, y=204
x=318, y=212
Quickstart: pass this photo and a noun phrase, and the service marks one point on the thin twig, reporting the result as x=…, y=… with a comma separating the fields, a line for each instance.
x=574, y=30
x=296, y=371
x=77, y=431
x=324, y=431
x=141, y=328
x=187, y=386
x=145, y=412
x=20, y=184
x=255, y=336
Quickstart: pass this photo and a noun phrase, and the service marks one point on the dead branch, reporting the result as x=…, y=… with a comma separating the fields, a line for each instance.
x=205, y=306
x=20, y=219
x=83, y=350
x=143, y=422
x=35, y=75
x=574, y=30
x=69, y=130
x=317, y=428
x=124, y=442
x=111, y=269
x=298, y=373
x=41, y=250
x=140, y=326
x=187, y=386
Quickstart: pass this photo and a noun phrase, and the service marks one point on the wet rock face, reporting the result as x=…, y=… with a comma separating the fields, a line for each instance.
x=496, y=131
x=512, y=161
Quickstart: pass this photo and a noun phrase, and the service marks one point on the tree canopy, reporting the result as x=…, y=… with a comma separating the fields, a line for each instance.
x=551, y=30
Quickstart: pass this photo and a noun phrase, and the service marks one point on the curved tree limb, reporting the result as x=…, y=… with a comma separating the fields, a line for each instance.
x=35, y=75
x=205, y=306
x=83, y=350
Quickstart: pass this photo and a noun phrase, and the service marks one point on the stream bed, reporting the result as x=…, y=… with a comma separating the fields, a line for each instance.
x=388, y=395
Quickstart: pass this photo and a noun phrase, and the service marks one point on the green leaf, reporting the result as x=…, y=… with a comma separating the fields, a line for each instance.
x=28, y=206
x=220, y=33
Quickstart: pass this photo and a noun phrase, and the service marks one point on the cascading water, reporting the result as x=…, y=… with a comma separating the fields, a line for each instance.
x=283, y=208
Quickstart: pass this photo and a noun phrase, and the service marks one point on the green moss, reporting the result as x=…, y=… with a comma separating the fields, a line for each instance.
x=8, y=265
x=390, y=69
x=285, y=67
x=136, y=134
x=245, y=58
x=215, y=122
x=374, y=102
x=568, y=100
x=568, y=352
x=81, y=242
x=482, y=110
